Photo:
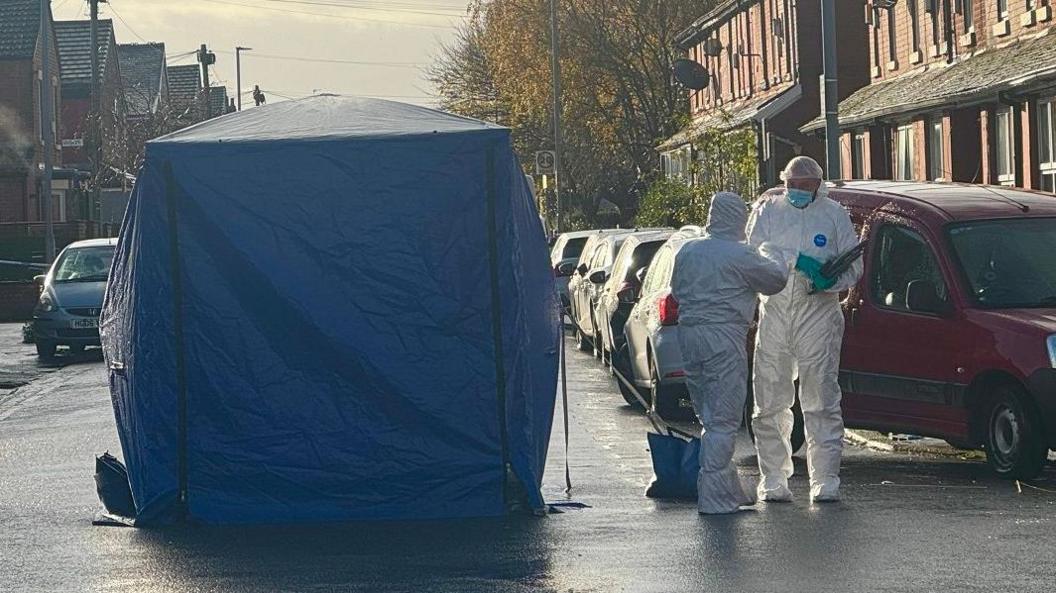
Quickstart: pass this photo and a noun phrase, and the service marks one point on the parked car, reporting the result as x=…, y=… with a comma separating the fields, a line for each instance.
x=564, y=257
x=618, y=295
x=951, y=332
x=596, y=253
x=653, y=354
x=67, y=313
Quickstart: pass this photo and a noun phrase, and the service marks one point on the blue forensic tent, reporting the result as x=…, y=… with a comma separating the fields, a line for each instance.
x=332, y=309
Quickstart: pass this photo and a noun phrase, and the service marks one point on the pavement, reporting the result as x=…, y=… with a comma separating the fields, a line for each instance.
x=908, y=522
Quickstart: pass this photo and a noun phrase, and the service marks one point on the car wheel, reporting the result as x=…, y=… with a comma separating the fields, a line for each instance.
x=598, y=352
x=664, y=404
x=798, y=432
x=1015, y=446
x=621, y=365
x=581, y=341
x=45, y=350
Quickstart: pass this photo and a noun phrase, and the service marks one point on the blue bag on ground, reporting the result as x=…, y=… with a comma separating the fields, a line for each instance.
x=332, y=309
x=676, y=463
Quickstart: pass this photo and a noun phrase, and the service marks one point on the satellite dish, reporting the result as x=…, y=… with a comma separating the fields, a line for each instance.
x=691, y=74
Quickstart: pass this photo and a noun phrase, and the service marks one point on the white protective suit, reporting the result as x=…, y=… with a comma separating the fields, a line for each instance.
x=716, y=281
x=800, y=334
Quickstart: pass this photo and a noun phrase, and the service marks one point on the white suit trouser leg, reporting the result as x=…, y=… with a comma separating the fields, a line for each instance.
x=819, y=397
x=716, y=365
x=814, y=348
x=774, y=391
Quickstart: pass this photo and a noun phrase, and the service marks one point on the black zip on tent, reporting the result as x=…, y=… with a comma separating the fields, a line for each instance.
x=181, y=363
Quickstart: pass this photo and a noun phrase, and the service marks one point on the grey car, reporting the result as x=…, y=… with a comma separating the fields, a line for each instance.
x=67, y=313
x=618, y=295
x=585, y=285
x=564, y=256
x=653, y=354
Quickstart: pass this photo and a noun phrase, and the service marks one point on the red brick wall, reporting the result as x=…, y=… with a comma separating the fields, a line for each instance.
x=988, y=30
x=17, y=300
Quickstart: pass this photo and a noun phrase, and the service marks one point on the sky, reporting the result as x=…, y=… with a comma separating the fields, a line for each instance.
x=376, y=48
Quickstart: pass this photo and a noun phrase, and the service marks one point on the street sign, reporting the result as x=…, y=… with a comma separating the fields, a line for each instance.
x=73, y=143
x=544, y=162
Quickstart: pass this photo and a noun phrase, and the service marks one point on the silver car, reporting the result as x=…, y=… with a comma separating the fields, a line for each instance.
x=619, y=294
x=67, y=313
x=585, y=284
x=564, y=256
x=654, y=356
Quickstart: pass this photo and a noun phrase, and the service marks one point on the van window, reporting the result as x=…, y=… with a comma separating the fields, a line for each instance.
x=903, y=257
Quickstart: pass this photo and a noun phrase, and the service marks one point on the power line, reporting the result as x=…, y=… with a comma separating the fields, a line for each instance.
x=367, y=7
x=123, y=22
x=329, y=15
x=330, y=60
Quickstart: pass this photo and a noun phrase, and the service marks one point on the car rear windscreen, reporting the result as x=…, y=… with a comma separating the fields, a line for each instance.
x=573, y=248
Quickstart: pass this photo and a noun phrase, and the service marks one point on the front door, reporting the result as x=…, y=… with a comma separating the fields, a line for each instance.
x=903, y=357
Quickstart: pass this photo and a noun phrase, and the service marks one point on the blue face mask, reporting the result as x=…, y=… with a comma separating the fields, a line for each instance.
x=800, y=198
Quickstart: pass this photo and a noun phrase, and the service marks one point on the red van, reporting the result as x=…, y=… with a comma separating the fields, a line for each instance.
x=951, y=332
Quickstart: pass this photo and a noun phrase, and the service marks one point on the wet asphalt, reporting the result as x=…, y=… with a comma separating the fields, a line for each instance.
x=908, y=523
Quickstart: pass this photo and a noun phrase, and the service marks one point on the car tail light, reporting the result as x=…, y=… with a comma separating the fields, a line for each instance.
x=668, y=310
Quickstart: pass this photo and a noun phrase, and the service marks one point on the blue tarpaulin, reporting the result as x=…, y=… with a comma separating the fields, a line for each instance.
x=332, y=309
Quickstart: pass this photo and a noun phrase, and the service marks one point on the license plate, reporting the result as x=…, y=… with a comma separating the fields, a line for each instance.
x=84, y=323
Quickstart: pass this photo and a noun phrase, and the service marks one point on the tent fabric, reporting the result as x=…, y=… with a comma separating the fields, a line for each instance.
x=317, y=309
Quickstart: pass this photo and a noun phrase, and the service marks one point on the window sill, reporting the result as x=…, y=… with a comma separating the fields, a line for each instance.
x=968, y=39
x=1028, y=19
x=892, y=65
x=1002, y=28
x=916, y=57
x=876, y=71
x=938, y=50
x=1043, y=14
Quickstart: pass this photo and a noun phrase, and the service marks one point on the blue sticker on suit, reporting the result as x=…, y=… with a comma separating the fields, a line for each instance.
x=821, y=240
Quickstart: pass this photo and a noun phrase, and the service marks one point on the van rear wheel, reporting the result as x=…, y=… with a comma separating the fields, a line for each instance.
x=1015, y=445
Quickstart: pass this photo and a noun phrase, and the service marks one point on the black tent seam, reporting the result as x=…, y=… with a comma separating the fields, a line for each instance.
x=181, y=365
x=496, y=318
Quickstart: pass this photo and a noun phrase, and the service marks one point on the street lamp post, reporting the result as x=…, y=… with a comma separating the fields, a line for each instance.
x=555, y=65
x=47, y=122
x=832, y=99
x=238, y=73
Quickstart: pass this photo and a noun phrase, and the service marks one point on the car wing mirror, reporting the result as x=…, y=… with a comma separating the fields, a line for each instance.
x=628, y=295
x=566, y=269
x=39, y=280
x=923, y=297
x=599, y=276
x=640, y=275
x=582, y=269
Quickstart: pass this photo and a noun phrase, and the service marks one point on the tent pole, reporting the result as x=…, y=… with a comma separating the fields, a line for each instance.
x=181, y=365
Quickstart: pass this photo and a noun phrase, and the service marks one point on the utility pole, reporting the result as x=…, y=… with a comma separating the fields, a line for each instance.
x=238, y=73
x=830, y=90
x=94, y=113
x=206, y=58
x=47, y=121
x=555, y=66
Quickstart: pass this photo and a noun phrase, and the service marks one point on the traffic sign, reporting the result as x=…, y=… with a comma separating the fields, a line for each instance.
x=544, y=162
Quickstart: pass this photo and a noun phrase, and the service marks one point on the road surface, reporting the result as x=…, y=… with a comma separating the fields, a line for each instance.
x=922, y=523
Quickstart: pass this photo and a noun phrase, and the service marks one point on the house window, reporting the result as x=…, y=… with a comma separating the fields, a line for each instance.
x=904, y=153
x=1047, y=144
x=936, y=154
x=932, y=8
x=892, y=36
x=858, y=156
x=1002, y=9
x=967, y=18
x=914, y=23
x=1003, y=147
